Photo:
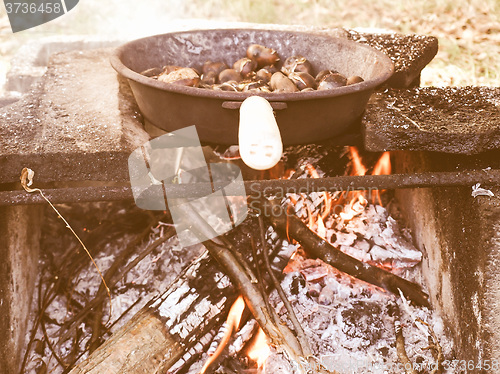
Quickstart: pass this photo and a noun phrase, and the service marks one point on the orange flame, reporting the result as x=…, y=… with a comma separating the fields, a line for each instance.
x=310, y=224
x=233, y=321
x=321, y=230
x=357, y=200
x=259, y=351
x=357, y=165
x=382, y=167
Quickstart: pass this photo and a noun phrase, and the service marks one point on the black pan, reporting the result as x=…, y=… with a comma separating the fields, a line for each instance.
x=303, y=117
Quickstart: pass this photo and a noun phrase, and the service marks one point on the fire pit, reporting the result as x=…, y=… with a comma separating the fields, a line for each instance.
x=448, y=260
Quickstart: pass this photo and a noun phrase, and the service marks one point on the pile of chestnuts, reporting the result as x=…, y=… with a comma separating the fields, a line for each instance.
x=257, y=71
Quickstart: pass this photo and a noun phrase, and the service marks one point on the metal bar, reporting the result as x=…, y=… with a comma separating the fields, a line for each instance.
x=276, y=187
x=67, y=195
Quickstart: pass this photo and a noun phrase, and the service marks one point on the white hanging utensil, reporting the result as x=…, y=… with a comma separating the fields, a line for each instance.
x=259, y=137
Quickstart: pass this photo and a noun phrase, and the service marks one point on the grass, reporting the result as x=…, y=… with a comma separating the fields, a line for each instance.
x=468, y=31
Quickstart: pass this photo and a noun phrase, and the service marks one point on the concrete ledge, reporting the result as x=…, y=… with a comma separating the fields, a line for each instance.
x=9, y=100
x=19, y=247
x=463, y=120
x=460, y=239
x=80, y=123
x=409, y=53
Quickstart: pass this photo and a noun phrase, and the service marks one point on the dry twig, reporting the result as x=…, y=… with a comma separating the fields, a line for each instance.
x=435, y=347
x=401, y=350
x=26, y=181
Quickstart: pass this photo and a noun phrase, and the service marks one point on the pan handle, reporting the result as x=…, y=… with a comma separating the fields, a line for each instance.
x=276, y=105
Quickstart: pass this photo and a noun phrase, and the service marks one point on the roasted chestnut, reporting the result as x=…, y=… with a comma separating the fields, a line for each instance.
x=324, y=73
x=302, y=80
x=331, y=81
x=354, y=79
x=245, y=66
x=170, y=68
x=262, y=55
x=229, y=75
x=216, y=67
x=281, y=83
x=183, y=77
x=256, y=72
x=250, y=86
x=209, y=78
x=265, y=88
x=264, y=75
x=296, y=64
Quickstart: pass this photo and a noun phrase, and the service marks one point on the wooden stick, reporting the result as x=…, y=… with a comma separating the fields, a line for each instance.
x=241, y=276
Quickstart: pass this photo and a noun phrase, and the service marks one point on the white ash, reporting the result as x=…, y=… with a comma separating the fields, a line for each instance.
x=375, y=237
x=192, y=352
x=371, y=236
x=349, y=323
x=240, y=338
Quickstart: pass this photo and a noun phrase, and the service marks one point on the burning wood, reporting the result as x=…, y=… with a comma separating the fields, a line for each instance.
x=318, y=247
x=197, y=335
x=189, y=310
x=168, y=328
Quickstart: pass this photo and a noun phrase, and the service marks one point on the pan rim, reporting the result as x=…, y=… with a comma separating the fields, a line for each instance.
x=122, y=69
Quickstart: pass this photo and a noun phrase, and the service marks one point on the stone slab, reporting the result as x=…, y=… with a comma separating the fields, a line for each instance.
x=80, y=123
x=409, y=53
x=463, y=120
x=8, y=100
